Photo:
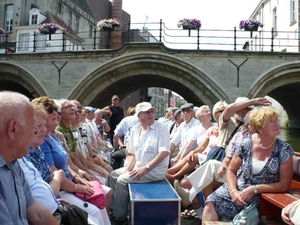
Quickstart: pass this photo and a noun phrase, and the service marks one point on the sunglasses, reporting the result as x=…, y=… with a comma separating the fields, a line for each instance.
x=49, y=108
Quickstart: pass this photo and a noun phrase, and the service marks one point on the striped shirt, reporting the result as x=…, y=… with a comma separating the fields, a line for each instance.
x=15, y=195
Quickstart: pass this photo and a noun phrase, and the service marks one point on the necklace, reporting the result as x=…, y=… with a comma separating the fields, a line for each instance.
x=263, y=146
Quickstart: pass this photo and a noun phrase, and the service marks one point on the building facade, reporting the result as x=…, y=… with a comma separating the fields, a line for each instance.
x=283, y=17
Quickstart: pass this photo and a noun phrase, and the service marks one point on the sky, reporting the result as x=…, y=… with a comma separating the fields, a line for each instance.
x=213, y=14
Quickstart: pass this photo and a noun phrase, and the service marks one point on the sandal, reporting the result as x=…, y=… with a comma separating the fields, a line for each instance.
x=189, y=214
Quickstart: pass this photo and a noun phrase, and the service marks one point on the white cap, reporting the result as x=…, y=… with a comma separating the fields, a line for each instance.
x=143, y=107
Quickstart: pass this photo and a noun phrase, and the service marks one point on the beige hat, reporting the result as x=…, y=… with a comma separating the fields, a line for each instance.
x=143, y=107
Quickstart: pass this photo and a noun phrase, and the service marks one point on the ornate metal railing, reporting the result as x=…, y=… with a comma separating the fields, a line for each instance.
x=174, y=38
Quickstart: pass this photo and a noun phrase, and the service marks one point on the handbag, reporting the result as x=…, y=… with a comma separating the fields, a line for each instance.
x=98, y=198
x=218, y=152
x=295, y=213
x=249, y=215
x=69, y=214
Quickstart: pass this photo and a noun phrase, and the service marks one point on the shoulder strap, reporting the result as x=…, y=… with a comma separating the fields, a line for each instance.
x=171, y=128
x=235, y=130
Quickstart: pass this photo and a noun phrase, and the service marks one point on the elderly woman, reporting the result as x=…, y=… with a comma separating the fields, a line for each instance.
x=57, y=179
x=262, y=163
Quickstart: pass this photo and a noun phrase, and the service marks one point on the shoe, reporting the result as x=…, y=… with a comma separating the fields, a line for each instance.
x=189, y=214
x=183, y=193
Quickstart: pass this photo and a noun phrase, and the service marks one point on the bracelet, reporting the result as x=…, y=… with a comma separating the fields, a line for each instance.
x=233, y=190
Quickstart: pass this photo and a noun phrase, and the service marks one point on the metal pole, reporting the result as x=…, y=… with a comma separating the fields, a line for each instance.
x=34, y=41
x=94, y=38
x=128, y=31
x=6, y=43
x=63, y=41
x=160, y=30
x=198, y=38
x=272, y=39
x=234, y=39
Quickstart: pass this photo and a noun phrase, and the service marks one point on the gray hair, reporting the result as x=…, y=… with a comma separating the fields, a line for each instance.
x=13, y=105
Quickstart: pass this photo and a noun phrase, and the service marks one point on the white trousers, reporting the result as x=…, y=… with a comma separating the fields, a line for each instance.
x=203, y=176
x=95, y=215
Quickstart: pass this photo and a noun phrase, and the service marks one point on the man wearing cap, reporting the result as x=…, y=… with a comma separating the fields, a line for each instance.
x=115, y=113
x=188, y=124
x=177, y=121
x=147, y=159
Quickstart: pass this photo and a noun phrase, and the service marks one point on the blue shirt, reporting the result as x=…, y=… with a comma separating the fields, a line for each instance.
x=15, y=195
x=37, y=158
x=55, y=154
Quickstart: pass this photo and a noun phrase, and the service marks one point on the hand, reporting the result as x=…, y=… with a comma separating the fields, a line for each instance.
x=237, y=199
x=285, y=213
x=91, y=177
x=138, y=173
x=62, y=200
x=86, y=189
x=58, y=175
x=222, y=170
x=262, y=101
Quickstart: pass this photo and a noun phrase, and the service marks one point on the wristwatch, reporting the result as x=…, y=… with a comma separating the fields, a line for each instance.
x=255, y=190
x=147, y=166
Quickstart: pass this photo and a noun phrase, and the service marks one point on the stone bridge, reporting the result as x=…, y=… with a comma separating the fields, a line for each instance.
x=200, y=76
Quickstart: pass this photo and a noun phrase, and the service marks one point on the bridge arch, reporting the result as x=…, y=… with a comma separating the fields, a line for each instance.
x=15, y=78
x=147, y=69
x=281, y=83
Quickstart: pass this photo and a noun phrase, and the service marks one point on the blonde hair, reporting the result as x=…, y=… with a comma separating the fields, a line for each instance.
x=40, y=111
x=199, y=112
x=220, y=105
x=259, y=116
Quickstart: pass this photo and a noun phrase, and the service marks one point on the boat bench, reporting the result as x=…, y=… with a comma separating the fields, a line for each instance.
x=154, y=203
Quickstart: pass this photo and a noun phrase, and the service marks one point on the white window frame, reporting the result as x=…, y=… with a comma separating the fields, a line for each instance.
x=293, y=11
x=9, y=15
x=34, y=19
x=40, y=41
x=23, y=44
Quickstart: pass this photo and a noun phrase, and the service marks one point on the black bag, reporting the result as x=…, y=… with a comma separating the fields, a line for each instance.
x=72, y=214
x=217, y=153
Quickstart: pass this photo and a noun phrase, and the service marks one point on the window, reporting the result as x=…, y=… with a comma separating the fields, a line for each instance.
x=9, y=18
x=40, y=41
x=293, y=11
x=23, y=42
x=275, y=21
x=76, y=24
x=70, y=19
x=91, y=31
x=34, y=19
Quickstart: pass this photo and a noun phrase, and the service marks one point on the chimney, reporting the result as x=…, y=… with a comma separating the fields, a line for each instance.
x=116, y=36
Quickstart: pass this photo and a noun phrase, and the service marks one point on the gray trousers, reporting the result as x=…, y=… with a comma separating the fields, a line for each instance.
x=118, y=181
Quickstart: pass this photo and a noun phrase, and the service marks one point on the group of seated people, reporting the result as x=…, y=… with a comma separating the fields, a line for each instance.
x=65, y=154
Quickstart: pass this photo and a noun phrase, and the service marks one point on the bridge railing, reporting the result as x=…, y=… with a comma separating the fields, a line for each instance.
x=174, y=38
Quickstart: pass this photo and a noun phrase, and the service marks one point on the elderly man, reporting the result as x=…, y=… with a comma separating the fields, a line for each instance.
x=147, y=159
x=188, y=124
x=16, y=131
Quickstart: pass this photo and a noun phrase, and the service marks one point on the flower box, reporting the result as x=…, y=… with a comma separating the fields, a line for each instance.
x=108, y=24
x=48, y=28
x=189, y=24
x=2, y=31
x=250, y=25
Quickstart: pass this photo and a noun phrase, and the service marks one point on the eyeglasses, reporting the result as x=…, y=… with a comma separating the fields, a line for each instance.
x=68, y=106
x=220, y=111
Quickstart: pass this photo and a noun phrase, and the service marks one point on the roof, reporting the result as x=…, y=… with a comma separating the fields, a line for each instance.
x=51, y=18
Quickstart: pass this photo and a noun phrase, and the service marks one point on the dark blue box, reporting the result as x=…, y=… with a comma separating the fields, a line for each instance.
x=155, y=203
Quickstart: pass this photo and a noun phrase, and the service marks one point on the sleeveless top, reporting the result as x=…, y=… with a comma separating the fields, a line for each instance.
x=117, y=116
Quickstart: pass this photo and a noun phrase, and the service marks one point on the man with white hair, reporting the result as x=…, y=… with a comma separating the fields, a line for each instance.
x=147, y=159
x=16, y=131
